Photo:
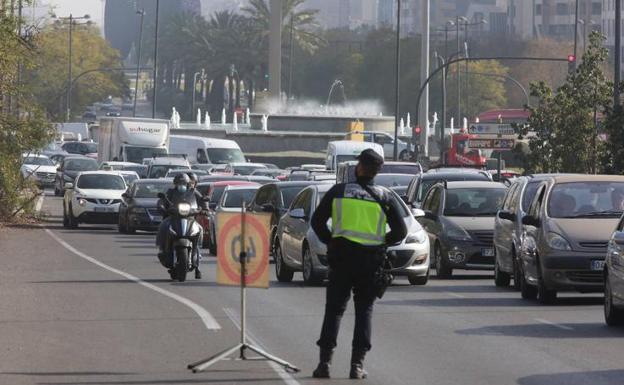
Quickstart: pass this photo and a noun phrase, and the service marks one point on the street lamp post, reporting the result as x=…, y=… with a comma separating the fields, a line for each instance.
x=442, y=64
x=136, y=82
x=458, y=20
x=72, y=20
x=397, y=80
x=155, y=61
x=576, y=22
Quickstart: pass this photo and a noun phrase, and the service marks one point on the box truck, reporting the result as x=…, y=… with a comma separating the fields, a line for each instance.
x=132, y=139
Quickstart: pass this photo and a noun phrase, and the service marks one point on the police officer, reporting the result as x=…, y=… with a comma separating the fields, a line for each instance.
x=355, y=249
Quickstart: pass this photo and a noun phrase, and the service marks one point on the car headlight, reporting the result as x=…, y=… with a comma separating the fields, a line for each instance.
x=457, y=233
x=557, y=242
x=82, y=202
x=419, y=237
x=67, y=178
x=184, y=209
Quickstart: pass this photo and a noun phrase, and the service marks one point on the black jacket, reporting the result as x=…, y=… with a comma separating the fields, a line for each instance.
x=398, y=230
x=174, y=196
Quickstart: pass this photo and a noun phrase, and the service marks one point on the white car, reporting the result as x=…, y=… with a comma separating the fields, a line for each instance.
x=39, y=168
x=94, y=197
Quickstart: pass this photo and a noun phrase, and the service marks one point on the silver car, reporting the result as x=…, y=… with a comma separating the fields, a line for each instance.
x=297, y=248
x=614, y=278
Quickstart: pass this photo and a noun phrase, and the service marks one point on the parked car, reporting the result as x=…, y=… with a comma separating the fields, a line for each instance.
x=94, y=197
x=614, y=278
x=346, y=170
x=80, y=148
x=38, y=168
x=138, y=209
x=459, y=218
x=420, y=184
x=566, y=234
x=212, y=191
x=159, y=167
x=69, y=168
x=243, y=168
x=297, y=247
x=508, y=228
x=275, y=198
x=232, y=200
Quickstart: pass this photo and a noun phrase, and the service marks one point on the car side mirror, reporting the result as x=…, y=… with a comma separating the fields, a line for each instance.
x=125, y=195
x=506, y=215
x=268, y=208
x=618, y=237
x=297, y=214
x=418, y=213
x=69, y=186
x=530, y=220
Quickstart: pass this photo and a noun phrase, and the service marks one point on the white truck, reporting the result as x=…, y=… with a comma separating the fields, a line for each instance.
x=345, y=150
x=132, y=139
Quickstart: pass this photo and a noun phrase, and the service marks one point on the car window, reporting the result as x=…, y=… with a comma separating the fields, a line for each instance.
x=509, y=197
x=515, y=198
x=529, y=194
x=427, y=201
x=468, y=202
x=149, y=190
x=201, y=156
x=262, y=196
x=236, y=198
x=101, y=182
x=585, y=199
x=436, y=197
x=299, y=201
x=534, y=208
x=85, y=164
x=216, y=193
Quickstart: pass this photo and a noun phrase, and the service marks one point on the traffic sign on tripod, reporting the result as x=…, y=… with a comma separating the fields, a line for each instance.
x=229, y=233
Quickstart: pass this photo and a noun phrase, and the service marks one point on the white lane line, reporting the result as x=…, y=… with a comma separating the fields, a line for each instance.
x=284, y=375
x=204, y=315
x=547, y=322
x=455, y=295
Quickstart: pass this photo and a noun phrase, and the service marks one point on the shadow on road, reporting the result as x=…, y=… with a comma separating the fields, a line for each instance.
x=602, y=377
x=115, y=281
x=402, y=286
x=52, y=374
x=540, y=330
x=173, y=381
x=492, y=302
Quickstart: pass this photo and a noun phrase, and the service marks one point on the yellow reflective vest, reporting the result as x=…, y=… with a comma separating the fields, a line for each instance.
x=357, y=217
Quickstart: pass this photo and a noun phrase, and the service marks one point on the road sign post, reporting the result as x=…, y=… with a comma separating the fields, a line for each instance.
x=258, y=227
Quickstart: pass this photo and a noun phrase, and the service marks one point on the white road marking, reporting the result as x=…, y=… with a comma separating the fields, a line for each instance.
x=286, y=377
x=547, y=322
x=204, y=315
x=455, y=295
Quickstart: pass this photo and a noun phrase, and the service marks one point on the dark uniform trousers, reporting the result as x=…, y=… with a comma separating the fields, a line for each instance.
x=352, y=269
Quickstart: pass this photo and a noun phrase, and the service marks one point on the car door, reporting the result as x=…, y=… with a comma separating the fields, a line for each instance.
x=615, y=263
x=289, y=226
x=531, y=236
x=300, y=228
x=427, y=222
x=503, y=228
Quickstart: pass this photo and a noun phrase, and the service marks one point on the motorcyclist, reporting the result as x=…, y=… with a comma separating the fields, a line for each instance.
x=180, y=192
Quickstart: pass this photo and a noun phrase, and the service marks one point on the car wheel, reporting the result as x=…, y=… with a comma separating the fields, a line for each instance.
x=501, y=279
x=310, y=276
x=65, y=217
x=527, y=291
x=443, y=271
x=517, y=277
x=418, y=280
x=283, y=272
x=613, y=315
x=73, y=221
x=545, y=295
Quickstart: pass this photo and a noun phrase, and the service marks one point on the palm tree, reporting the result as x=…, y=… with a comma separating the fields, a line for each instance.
x=303, y=22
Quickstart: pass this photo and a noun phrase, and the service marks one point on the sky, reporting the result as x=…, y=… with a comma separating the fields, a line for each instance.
x=77, y=7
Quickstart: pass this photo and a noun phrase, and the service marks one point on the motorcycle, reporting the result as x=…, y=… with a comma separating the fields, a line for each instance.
x=183, y=235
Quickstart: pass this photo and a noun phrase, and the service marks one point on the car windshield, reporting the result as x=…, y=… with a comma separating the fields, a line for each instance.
x=225, y=155
x=393, y=180
x=529, y=194
x=81, y=165
x=236, y=198
x=216, y=194
x=247, y=170
x=137, y=154
x=426, y=184
x=344, y=158
x=586, y=199
x=101, y=182
x=469, y=202
x=129, y=178
x=412, y=169
x=289, y=193
x=139, y=169
x=160, y=171
x=38, y=161
x=150, y=190
x=91, y=147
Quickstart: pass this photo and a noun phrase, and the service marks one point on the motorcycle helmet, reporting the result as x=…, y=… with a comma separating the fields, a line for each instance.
x=193, y=179
x=181, y=182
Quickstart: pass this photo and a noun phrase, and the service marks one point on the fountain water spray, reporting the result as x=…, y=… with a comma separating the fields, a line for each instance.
x=207, y=121
x=409, y=121
x=223, y=120
x=247, y=116
x=199, y=117
x=265, y=123
x=234, y=121
x=401, y=127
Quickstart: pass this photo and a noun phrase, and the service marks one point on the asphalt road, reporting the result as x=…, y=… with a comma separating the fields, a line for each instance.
x=92, y=306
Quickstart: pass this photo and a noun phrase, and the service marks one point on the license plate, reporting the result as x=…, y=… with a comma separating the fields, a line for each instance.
x=597, y=265
x=103, y=209
x=487, y=252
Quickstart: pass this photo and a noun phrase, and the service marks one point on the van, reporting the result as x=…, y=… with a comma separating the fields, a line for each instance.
x=345, y=150
x=206, y=150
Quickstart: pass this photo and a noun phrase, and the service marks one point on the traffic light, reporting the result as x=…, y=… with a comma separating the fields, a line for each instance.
x=417, y=142
x=571, y=64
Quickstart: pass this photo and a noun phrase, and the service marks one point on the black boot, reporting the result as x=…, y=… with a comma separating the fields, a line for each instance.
x=322, y=370
x=357, y=364
x=197, y=273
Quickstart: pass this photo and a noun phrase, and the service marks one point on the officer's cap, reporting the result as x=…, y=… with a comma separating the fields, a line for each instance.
x=370, y=157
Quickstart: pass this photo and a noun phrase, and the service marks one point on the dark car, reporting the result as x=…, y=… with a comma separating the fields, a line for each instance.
x=275, y=198
x=420, y=184
x=68, y=170
x=139, y=207
x=89, y=115
x=459, y=218
x=614, y=278
x=80, y=148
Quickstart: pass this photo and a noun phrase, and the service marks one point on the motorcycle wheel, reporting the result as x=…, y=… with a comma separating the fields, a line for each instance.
x=181, y=264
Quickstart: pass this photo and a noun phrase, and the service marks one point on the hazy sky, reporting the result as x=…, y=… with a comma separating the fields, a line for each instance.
x=76, y=7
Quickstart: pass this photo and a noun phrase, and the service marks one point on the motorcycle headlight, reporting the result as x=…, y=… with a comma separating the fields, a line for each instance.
x=184, y=209
x=457, y=233
x=557, y=242
x=419, y=237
